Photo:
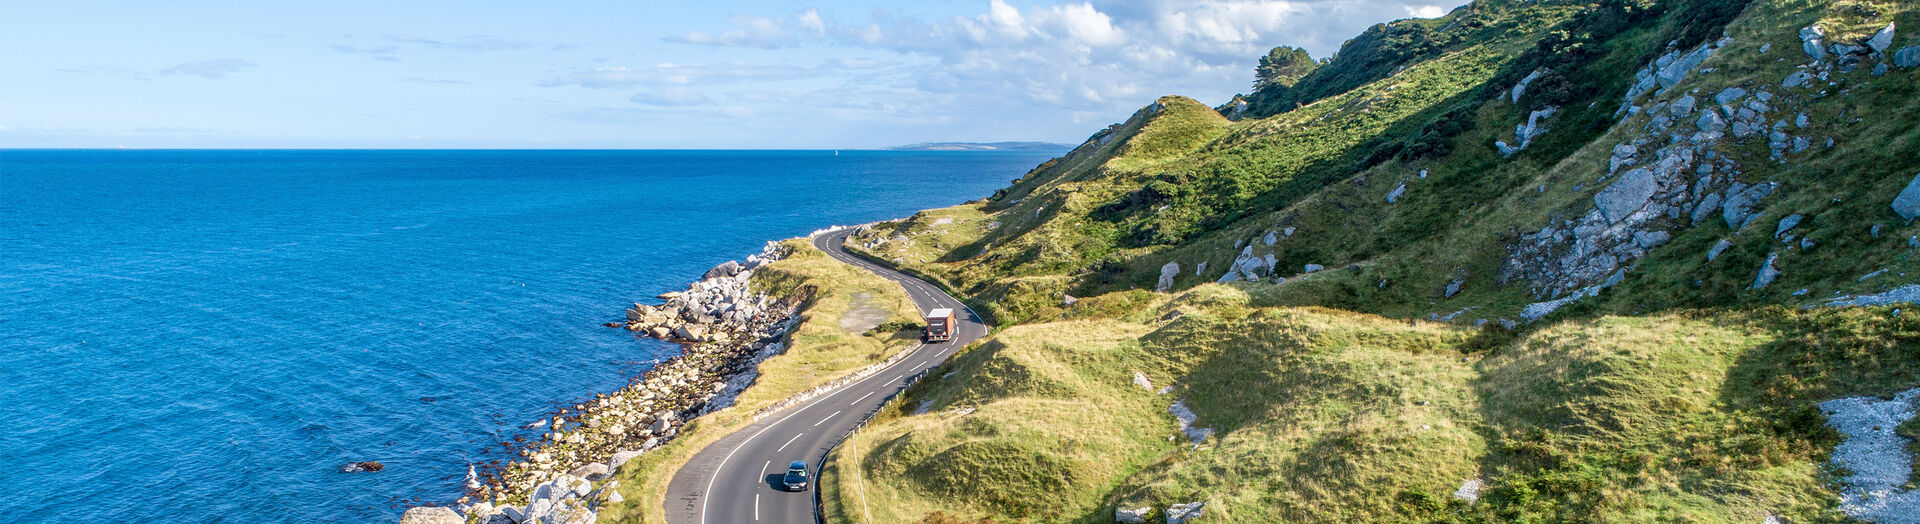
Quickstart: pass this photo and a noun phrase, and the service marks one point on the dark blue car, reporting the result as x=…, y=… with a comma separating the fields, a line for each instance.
x=796, y=477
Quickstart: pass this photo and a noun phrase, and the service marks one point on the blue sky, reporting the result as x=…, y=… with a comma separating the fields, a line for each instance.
x=844, y=74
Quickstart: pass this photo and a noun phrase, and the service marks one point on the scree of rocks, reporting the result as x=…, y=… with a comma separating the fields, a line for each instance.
x=725, y=329
x=1876, y=456
x=1673, y=173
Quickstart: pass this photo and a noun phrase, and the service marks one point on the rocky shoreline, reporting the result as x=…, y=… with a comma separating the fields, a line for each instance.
x=563, y=476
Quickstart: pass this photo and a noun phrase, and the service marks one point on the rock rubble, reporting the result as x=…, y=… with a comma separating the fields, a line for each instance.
x=725, y=329
x=1876, y=456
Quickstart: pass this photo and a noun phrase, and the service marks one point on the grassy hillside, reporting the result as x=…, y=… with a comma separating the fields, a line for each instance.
x=1328, y=416
x=1178, y=184
x=1558, y=249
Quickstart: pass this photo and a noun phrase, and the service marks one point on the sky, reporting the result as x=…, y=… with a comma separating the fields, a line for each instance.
x=665, y=75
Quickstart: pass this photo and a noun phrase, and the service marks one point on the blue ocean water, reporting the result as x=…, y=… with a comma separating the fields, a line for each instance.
x=206, y=336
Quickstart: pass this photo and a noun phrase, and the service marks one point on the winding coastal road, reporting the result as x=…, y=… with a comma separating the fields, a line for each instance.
x=736, y=479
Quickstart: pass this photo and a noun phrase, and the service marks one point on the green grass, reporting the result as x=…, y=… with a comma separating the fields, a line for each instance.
x=1330, y=416
x=819, y=350
x=1063, y=420
x=1678, y=395
x=1181, y=185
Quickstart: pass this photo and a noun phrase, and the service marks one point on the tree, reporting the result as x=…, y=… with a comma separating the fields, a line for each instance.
x=1282, y=67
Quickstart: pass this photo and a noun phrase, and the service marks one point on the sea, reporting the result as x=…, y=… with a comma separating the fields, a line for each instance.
x=209, y=335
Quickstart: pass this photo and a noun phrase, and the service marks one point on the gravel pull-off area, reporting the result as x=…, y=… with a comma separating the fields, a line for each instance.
x=1876, y=456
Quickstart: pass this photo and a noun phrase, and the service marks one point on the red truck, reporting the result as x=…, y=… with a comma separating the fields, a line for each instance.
x=940, y=325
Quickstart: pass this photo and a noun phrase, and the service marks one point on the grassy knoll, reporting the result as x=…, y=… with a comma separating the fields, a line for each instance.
x=1330, y=416
x=1016, y=417
x=820, y=350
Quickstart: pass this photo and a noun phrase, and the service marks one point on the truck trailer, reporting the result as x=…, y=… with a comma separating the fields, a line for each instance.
x=940, y=325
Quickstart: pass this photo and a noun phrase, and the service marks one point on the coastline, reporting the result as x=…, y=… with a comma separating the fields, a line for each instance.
x=565, y=475
x=787, y=342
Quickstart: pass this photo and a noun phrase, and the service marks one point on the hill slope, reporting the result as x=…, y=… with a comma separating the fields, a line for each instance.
x=1569, y=239
x=1402, y=182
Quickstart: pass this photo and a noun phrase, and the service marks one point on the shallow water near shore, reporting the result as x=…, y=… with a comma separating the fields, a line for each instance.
x=207, y=336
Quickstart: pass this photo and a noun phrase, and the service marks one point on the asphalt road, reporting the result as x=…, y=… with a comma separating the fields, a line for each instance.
x=736, y=479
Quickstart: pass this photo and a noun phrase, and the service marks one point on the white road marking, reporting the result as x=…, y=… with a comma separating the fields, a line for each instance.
x=862, y=397
x=763, y=468
x=756, y=506
x=829, y=417
x=707, y=497
x=783, y=447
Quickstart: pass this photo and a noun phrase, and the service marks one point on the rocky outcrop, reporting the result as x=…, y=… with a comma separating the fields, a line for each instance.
x=1812, y=40
x=1520, y=89
x=1907, y=203
x=1907, y=293
x=1665, y=72
x=725, y=329
x=1740, y=200
x=431, y=515
x=1185, y=417
x=1768, y=272
x=727, y=269
x=1882, y=40
x=1669, y=174
x=1718, y=248
x=1908, y=58
x=1523, y=134
x=1469, y=491
x=1180, y=513
x=702, y=313
x=1249, y=267
x=1167, y=272
x=1626, y=195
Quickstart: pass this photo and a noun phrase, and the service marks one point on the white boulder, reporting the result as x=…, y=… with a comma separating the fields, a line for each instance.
x=1180, y=513
x=1167, y=272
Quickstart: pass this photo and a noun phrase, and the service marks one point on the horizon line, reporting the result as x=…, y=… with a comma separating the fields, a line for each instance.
x=1063, y=147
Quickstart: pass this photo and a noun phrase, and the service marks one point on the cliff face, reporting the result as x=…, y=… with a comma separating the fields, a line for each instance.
x=1582, y=252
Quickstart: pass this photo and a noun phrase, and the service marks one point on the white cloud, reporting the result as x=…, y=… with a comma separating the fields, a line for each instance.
x=382, y=53
x=759, y=32
x=672, y=97
x=811, y=22
x=472, y=43
x=680, y=75
x=1090, y=54
x=209, y=68
x=1087, y=25
x=173, y=130
x=1070, y=64
x=1426, y=11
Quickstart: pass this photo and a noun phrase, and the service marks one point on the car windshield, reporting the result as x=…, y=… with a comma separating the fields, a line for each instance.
x=797, y=472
